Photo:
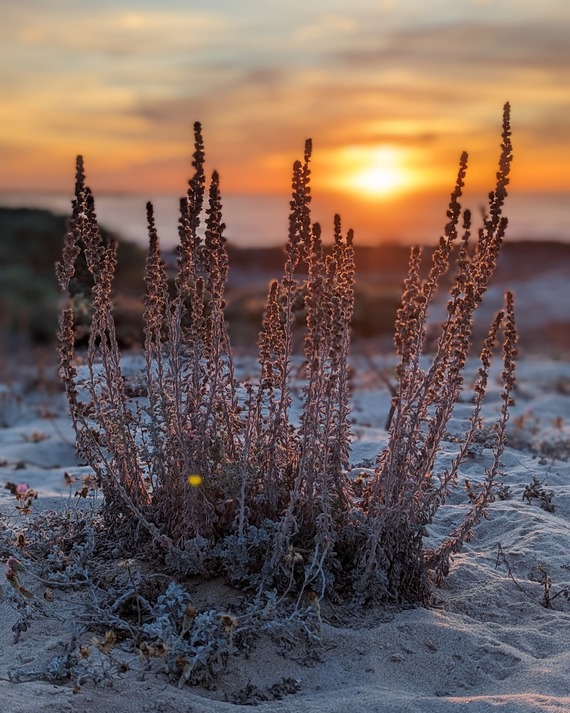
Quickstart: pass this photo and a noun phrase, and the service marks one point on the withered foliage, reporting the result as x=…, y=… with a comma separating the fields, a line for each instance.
x=217, y=473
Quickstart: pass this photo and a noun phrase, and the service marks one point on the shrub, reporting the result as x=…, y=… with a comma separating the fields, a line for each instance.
x=216, y=473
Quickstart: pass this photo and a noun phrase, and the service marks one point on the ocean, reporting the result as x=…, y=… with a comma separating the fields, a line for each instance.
x=255, y=220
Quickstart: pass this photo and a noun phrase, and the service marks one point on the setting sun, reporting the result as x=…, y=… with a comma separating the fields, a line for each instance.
x=379, y=180
x=374, y=172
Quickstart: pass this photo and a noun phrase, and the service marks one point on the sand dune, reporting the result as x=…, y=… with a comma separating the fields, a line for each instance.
x=488, y=645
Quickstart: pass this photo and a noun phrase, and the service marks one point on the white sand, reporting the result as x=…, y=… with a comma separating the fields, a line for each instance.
x=488, y=646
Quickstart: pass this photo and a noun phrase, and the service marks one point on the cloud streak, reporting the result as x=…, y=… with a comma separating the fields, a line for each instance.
x=125, y=80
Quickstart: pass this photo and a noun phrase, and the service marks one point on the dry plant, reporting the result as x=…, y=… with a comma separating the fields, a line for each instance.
x=538, y=574
x=218, y=475
x=535, y=491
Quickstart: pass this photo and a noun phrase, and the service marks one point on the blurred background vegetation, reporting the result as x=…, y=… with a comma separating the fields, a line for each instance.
x=31, y=242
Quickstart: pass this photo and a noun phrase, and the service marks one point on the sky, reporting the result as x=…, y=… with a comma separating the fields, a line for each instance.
x=390, y=91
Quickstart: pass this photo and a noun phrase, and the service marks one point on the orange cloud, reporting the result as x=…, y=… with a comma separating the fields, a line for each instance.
x=390, y=98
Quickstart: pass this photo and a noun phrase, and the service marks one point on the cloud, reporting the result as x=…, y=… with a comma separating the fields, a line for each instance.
x=454, y=49
x=263, y=79
x=326, y=27
x=112, y=32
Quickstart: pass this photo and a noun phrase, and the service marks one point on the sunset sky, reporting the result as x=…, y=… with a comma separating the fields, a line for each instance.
x=391, y=91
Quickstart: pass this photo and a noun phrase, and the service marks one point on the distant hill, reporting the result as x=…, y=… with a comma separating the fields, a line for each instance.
x=31, y=243
x=389, y=262
x=537, y=272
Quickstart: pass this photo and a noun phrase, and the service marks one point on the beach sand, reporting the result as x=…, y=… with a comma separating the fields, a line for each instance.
x=487, y=645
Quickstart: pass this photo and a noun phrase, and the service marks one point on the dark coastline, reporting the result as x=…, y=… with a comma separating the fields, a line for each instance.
x=31, y=242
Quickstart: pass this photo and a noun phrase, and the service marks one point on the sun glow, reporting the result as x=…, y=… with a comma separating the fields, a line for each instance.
x=381, y=171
